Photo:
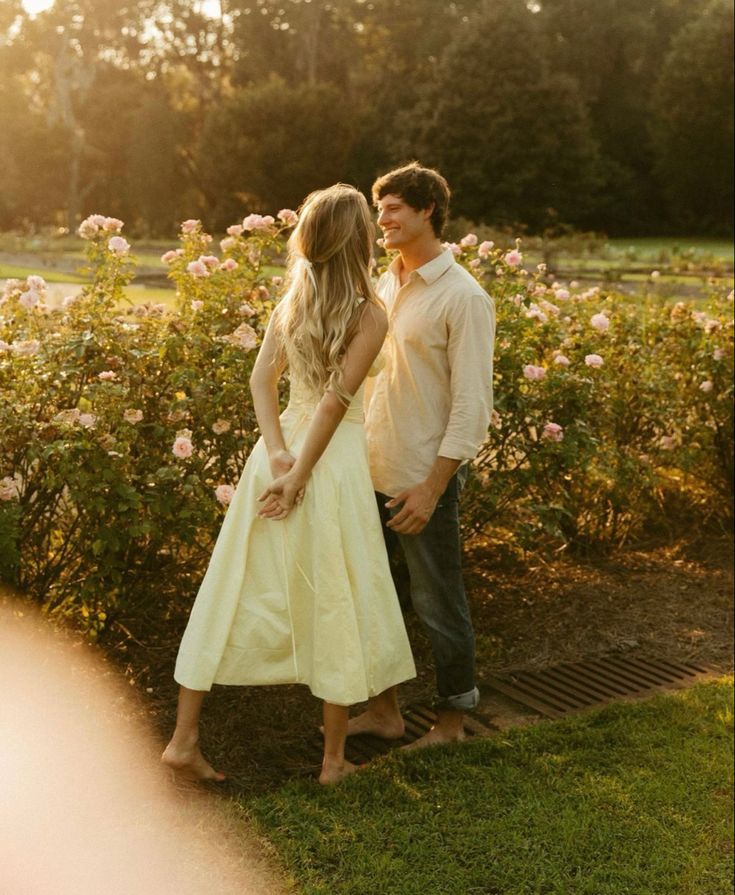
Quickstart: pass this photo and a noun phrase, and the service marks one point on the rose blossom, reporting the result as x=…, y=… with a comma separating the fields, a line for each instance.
x=277, y=281
x=182, y=447
x=718, y=353
x=257, y=222
x=513, y=258
x=224, y=494
x=562, y=360
x=171, y=255
x=475, y=263
x=229, y=264
x=530, y=371
x=667, y=442
x=227, y=243
x=29, y=299
x=469, y=240
x=243, y=337
x=235, y=230
x=197, y=305
x=593, y=360
x=8, y=488
x=561, y=294
x=197, y=268
x=4, y=346
x=107, y=375
x=706, y=386
x=496, y=420
x=133, y=416
x=534, y=312
x=190, y=225
x=36, y=283
x=87, y=420
x=553, y=432
x=655, y=274
x=483, y=250
x=26, y=348
x=220, y=427
x=453, y=247
x=600, y=322
x=210, y=260
x=119, y=245
x=112, y=225
x=246, y=310
x=289, y=217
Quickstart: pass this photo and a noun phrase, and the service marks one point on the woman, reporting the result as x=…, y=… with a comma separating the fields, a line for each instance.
x=299, y=589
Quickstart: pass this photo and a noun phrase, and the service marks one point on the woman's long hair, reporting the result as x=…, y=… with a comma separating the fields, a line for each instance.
x=329, y=255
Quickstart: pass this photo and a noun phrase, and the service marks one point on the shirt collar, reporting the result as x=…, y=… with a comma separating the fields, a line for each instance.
x=429, y=272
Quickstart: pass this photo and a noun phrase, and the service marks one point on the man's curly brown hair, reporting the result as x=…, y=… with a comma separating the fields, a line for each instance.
x=420, y=188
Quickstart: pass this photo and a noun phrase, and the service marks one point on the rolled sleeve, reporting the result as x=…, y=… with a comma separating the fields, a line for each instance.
x=470, y=346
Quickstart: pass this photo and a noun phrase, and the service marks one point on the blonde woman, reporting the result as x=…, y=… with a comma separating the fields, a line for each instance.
x=299, y=589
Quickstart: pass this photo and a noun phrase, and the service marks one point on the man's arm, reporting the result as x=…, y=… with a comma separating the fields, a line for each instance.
x=470, y=354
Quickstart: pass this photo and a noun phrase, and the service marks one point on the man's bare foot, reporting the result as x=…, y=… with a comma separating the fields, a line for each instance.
x=437, y=736
x=190, y=763
x=334, y=771
x=387, y=727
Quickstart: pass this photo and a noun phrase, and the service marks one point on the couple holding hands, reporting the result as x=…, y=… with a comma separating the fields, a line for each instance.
x=390, y=397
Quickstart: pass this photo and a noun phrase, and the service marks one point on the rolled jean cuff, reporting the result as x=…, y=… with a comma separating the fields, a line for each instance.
x=462, y=702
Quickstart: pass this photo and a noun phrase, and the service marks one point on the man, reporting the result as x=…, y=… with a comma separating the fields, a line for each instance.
x=427, y=416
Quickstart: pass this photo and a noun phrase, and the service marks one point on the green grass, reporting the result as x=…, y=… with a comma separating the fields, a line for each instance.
x=9, y=271
x=633, y=799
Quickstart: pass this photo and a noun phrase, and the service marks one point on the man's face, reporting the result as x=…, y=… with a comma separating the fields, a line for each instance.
x=402, y=225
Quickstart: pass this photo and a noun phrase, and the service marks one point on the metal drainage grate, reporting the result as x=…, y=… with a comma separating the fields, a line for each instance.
x=571, y=687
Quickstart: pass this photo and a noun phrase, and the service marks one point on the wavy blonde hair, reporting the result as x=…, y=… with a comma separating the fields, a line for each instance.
x=328, y=270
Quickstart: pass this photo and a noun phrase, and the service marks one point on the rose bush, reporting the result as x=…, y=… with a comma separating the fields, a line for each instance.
x=123, y=430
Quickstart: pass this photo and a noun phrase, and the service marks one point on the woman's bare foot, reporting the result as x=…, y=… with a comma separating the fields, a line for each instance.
x=334, y=771
x=387, y=727
x=190, y=763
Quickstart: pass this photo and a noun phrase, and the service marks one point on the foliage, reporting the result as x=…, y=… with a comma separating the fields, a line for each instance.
x=121, y=431
x=692, y=124
x=561, y=108
x=634, y=797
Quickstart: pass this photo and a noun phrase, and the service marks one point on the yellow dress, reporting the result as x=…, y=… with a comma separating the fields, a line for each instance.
x=308, y=599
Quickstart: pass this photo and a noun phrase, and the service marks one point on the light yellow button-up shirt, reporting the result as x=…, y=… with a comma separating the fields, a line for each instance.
x=434, y=396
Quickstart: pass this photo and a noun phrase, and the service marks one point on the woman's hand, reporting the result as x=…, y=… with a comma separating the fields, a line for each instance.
x=281, y=496
x=281, y=462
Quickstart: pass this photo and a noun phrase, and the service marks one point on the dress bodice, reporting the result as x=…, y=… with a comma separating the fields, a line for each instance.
x=303, y=401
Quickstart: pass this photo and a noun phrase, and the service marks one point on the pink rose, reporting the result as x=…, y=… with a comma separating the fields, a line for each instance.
x=484, y=248
x=453, y=247
x=667, y=442
x=229, y=242
x=170, y=256
x=277, y=281
x=112, y=225
x=88, y=229
x=210, y=260
x=29, y=299
x=243, y=337
x=107, y=375
x=718, y=353
x=469, y=240
x=197, y=305
x=36, y=283
x=182, y=447
x=289, y=217
x=197, y=268
x=133, y=416
x=8, y=488
x=235, y=230
x=530, y=371
x=246, y=310
x=190, y=226
x=475, y=263
x=561, y=294
x=600, y=322
x=220, y=427
x=513, y=258
x=224, y=494
x=119, y=245
x=87, y=420
x=706, y=386
x=26, y=348
x=561, y=360
x=257, y=222
x=229, y=264
x=535, y=313
x=593, y=360
x=553, y=432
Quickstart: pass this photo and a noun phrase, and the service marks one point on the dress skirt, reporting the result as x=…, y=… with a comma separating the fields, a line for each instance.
x=308, y=599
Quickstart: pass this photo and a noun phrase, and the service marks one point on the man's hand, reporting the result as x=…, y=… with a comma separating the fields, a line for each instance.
x=418, y=507
x=280, y=497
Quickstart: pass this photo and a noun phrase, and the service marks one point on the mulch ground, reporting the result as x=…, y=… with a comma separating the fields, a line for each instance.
x=667, y=600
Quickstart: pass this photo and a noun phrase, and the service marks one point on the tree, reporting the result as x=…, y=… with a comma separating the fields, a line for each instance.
x=511, y=136
x=270, y=145
x=692, y=122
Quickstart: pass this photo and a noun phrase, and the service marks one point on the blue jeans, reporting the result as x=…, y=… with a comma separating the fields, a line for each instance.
x=434, y=560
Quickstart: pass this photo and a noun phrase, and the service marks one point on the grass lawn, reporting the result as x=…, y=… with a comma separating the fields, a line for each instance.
x=632, y=799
